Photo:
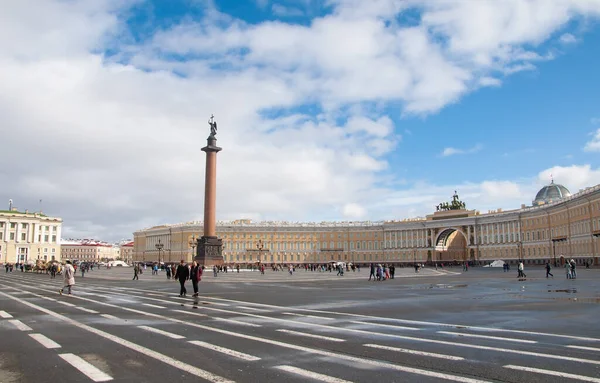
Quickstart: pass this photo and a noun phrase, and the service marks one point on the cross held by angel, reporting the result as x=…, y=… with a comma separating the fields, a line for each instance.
x=213, y=125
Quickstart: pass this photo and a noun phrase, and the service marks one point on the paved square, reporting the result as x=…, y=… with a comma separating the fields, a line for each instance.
x=444, y=325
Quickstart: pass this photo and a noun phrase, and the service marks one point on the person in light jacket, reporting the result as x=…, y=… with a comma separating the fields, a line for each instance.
x=195, y=276
x=69, y=277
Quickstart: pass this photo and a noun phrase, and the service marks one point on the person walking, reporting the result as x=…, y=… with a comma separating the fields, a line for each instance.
x=182, y=274
x=548, y=268
x=69, y=277
x=573, y=271
x=195, y=276
x=521, y=270
x=568, y=269
x=136, y=271
x=372, y=273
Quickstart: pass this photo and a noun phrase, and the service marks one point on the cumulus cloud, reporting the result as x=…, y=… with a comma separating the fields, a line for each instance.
x=113, y=124
x=567, y=38
x=286, y=11
x=354, y=211
x=450, y=151
x=574, y=177
x=594, y=144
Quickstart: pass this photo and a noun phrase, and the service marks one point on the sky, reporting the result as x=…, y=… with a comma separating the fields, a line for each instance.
x=330, y=110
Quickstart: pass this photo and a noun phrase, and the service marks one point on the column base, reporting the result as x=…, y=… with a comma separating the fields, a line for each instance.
x=209, y=251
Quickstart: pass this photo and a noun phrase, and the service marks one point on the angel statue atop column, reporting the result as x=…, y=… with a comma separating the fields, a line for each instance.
x=213, y=125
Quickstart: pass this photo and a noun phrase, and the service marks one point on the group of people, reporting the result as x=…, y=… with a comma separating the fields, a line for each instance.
x=382, y=272
x=181, y=273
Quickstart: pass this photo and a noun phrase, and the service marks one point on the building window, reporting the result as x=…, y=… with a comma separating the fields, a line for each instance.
x=12, y=236
x=13, y=225
x=46, y=238
x=23, y=236
x=23, y=226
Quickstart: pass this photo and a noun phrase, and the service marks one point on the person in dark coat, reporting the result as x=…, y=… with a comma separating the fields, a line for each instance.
x=195, y=276
x=182, y=274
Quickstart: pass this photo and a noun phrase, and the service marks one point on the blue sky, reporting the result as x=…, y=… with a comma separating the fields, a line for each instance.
x=337, y=110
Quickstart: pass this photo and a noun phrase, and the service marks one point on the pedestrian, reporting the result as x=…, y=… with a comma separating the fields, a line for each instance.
x=521, y=271
x=82, y=271
x=168, y=271
x=372, y=273
x=568, y=269
x=548, y=268
x=195, y=276
x=573, y=272
x=182, y=274
x=215, y=270
x=136, y=271
x=69, y=277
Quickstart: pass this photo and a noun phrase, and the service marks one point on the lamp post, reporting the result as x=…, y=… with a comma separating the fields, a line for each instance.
x=259, y=246
x=193, y=243
x=159, y=246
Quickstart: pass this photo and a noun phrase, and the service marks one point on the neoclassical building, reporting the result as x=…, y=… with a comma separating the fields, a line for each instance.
x=556, y=226
x=28, y=236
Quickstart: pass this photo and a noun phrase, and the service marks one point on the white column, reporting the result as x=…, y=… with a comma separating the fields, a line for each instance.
x=468, y=235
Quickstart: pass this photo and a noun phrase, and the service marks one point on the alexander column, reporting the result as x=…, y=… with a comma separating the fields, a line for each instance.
x=208, y=251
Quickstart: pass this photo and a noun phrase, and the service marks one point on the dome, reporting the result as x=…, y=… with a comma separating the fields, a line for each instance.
x=551, y=193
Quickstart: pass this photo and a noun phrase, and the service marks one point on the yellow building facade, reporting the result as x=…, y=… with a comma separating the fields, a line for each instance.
x=557, y=226
x=26, y=237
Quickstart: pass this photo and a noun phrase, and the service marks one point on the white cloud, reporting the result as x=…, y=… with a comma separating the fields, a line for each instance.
x=354, y=211
x=574, y=177
x=489, y=81
x=286, y=11
x=567, y=38
x=450, y=151
x=594, y=144
x=113, y=142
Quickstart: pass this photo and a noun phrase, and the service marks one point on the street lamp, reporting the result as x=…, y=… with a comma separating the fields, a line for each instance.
x=159, y=246
x=193, y=244
x=260, y=246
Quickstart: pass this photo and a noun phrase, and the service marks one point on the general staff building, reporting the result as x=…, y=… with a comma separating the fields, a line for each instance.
x=556, y=227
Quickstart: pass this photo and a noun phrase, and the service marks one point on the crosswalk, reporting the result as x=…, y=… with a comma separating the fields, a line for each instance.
x=155, y=335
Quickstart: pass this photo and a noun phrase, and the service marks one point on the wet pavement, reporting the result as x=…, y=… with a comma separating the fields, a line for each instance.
x=444, y=325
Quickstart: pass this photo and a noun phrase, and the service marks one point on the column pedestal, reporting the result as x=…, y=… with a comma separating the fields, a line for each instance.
x=208, y=252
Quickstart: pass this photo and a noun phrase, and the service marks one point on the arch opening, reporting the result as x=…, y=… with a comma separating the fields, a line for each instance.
x=451, y=245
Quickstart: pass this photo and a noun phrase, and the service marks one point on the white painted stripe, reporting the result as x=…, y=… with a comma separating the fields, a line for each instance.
x=161, y=332
x=125, y=343
x=86, y=368
x=108, y=316
x=87, y=310
x=311, y=335
x=585, y=348
x=155, y=306
x=66, y=304
x=309, y=316
x=435, y=324
x=45, y=341
x=316, y=351
x=253, y=309
x=125, y=300
x=487, y=337
x=226, y=351
x=415, y=352
x=4, y=315
x=311, y=375
x=385, y=325
x=190, y=313
x=237, y=322
x=213, y=304
x=553, y=373
x=20, y=325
